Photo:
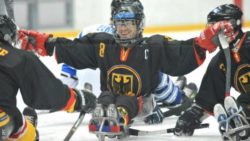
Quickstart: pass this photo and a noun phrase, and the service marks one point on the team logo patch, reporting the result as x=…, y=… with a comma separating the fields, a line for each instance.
x=242, y=78
x=124, y=80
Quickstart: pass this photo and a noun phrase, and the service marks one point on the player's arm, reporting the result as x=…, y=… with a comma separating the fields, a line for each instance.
x=66, y=50
x=185, y=56
x=208, y=39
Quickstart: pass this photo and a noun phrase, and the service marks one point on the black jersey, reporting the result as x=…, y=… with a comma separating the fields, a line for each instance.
x=213, y=85
x=131, y=71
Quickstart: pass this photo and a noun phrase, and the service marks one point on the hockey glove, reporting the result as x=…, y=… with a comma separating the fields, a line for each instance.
x=156, y=117
x=85, y=101
x=33, y=41
x=208, y=38
x=189, y=121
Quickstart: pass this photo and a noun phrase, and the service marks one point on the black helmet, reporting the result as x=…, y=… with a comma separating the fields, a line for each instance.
x=8, y=29
x=226, y=12
x=129, y=10
x=116, y=4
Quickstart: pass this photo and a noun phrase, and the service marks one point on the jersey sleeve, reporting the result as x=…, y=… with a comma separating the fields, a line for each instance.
x=39, y=84
x=78, y=53
x=178, y=57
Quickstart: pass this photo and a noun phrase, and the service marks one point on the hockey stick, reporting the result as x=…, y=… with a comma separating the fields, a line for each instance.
x=75, y=126
x=44, y=112
x=179, y=109
x=172, y=112
x=87, y=87
x=136, y=132
x=204, y=125
x=226, y=49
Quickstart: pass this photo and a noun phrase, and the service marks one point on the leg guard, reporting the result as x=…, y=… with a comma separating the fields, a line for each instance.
x=123, y=115
x=106, y=98
x=129, y=103
x=6, y=125
x=167, y=92
x=26, y=133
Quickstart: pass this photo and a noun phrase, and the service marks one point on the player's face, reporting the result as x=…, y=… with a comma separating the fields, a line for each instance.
x=126, y=29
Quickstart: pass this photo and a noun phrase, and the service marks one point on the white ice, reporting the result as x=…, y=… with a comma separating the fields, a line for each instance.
x=55, y=126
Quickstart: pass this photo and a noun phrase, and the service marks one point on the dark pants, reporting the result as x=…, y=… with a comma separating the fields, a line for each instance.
x=130, y=103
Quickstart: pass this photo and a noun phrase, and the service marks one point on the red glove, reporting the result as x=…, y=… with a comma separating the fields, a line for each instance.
x=207, y=38
x=33, y=41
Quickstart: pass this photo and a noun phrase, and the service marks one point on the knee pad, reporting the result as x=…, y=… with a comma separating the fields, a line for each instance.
x=106, y=98
x=6, y=125
x=26, y=133
x=130, y=103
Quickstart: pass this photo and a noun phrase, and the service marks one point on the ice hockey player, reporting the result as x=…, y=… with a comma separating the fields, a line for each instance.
x=172, y=95
x=212, y=90
x=22, y=70
x=129, y=64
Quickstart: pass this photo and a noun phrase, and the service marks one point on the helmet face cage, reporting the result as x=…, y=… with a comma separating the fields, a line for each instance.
x=8, y=29
x=132, y=11
x=228, y=12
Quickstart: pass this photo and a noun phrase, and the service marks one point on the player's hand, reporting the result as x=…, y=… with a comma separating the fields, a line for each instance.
x=188, y=122
x=33, y=41
x=156, y=117
x=86, y=100
x=208, y=38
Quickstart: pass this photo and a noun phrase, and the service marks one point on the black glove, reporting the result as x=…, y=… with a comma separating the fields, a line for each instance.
x=156, y=117
x=189, y=121
x=86, y=101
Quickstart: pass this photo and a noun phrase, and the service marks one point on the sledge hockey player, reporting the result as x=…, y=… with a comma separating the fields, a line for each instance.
x=22, y=70
x=172, y=95
x=129, y=64
x=212, y=90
